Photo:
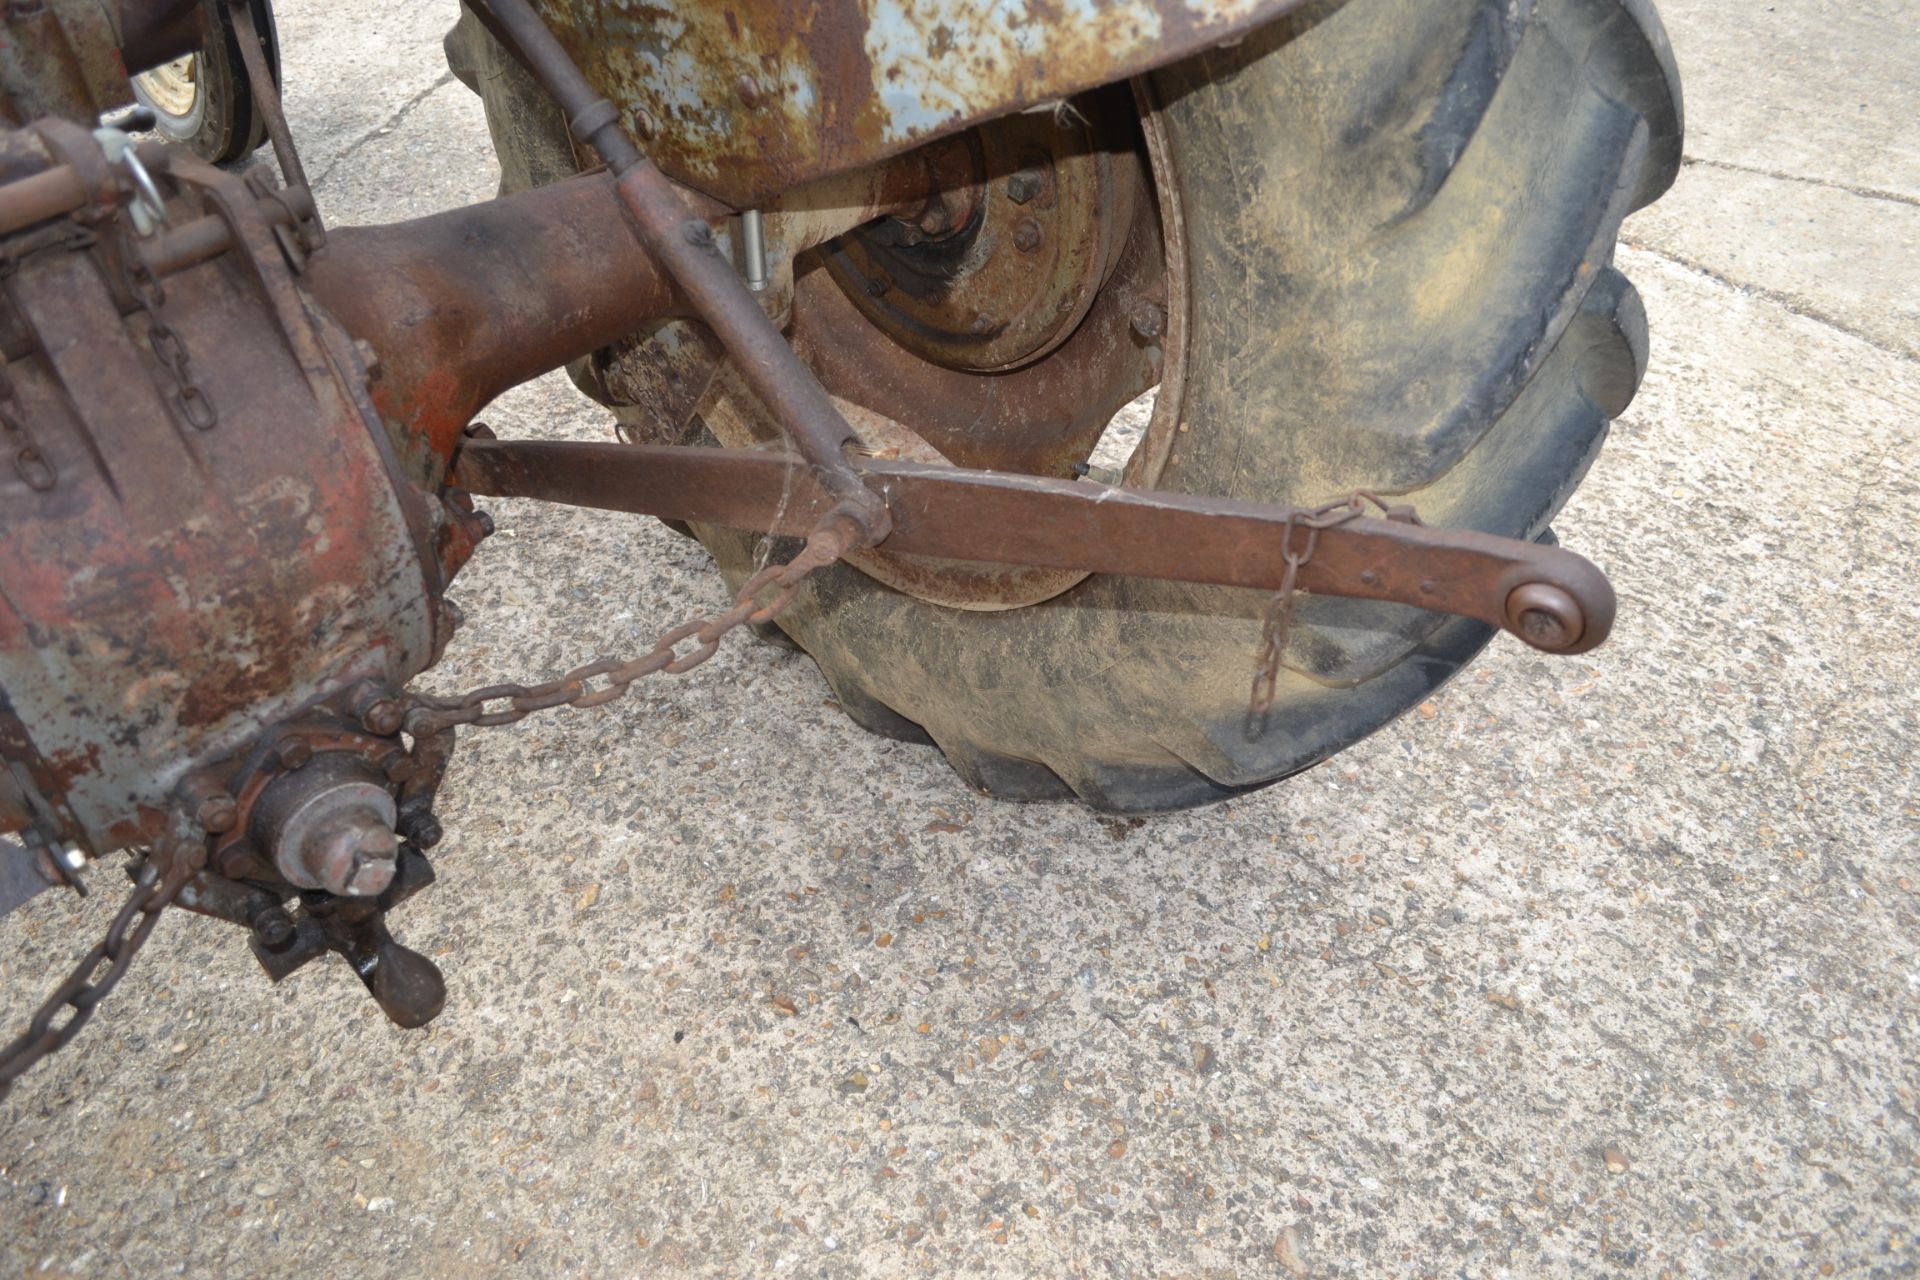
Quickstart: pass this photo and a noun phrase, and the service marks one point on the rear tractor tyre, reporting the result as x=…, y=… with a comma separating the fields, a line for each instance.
x=1399, y=219
x=1388, y=229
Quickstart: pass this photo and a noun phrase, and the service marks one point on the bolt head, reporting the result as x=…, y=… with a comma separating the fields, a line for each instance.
x=423, y=830
x=383, y=717
x=217, y=813
x=294, y=753
x=937, y=220
x=1543, y=630
x=1027, y=237
x=1148, y=320
x=1545, y=616
x=355, y=856
x=274, y=927
x=1025, y=185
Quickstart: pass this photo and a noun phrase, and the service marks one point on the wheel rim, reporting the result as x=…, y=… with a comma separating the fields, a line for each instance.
x=1077, y=326
x=172, y=89
x=1000, y=269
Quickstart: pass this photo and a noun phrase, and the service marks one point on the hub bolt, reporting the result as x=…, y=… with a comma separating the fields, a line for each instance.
x=330, y=826
x=1025, y=185
x=1028, y=237
x=354, y=855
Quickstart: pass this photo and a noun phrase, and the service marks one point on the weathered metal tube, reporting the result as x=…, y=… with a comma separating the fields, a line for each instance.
x=460, y=306
x=44, y=195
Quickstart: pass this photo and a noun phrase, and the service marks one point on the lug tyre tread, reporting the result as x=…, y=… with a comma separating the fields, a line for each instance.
x=1560, y=117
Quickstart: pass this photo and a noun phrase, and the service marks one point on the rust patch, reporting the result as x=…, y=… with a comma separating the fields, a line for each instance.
x=842, y=84
x=184, y=583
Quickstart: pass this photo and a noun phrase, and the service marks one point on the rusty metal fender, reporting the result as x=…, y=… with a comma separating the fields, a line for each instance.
x=747, y=99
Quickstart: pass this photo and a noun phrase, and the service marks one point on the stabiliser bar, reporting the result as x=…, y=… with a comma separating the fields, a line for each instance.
x=1553, y=599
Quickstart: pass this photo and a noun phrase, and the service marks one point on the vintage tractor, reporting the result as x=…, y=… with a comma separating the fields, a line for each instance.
x=864, y=286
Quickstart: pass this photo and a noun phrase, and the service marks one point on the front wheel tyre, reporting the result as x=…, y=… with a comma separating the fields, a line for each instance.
x=205, y=99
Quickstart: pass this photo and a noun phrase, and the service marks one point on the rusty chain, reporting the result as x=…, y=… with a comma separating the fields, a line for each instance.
x=429, y=714
x=168, y=347
x=1277, y=625
x=160, y=876
x=157, y=881
x=29, y=461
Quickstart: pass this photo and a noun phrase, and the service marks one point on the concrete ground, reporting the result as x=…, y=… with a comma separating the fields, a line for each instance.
x=1604, y=965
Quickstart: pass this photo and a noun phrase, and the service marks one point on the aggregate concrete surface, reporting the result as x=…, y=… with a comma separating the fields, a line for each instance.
x=1593, y=966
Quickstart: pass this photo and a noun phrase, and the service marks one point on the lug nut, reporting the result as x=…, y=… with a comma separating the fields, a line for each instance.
x=1148, y=320
x=294, y=753
x=1028, y=237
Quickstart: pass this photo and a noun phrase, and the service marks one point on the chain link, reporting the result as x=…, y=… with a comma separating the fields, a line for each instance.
x=1277, y=625
x=428, y=714
x=28, y=460
x=157, y=881
x=162, y=874
x=168, y=347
